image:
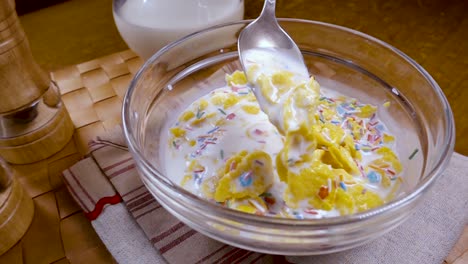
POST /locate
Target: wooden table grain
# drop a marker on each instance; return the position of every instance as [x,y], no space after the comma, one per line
[433,32]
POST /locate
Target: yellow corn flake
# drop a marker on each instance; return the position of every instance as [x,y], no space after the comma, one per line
[220,122]
[195,166]
[388,138]
[307,183]
[386,104]
[304,185]
[344,202]
[389,156]
[218,99]
[281,165]
[199,121]
[208,187]
[328,114]
[238,77]
[348,143]
[355,198]
[391,195]
[294,139]
[247,208]
[314,85]
[192,143]
[202,105]
[252,71]
[178,132]
[364,199]
[232,162]
[282,78]
[344,158]
[386,182]
[304,97]
[249,205]
[282,81]
[186,116]
[186,179]
[250,97]
[341,151]
[251,109]
[366,111]
[230,101]
[267,90]
[252,176]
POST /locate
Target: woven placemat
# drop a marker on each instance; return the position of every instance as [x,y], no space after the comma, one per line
[92,92]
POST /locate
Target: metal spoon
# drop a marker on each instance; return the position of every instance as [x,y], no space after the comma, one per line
[263,44]
[265,34]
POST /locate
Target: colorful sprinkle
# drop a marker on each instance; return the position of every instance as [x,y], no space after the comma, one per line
[374,177]
[199,114]
[413,154]
[258,132]
[323,192]
[269,200]
[259,162]
[213,130]
[230,116]
[310,211]
[343,186]
[298,215]
[222,111]
[221,153]
[246,179]
[232,166]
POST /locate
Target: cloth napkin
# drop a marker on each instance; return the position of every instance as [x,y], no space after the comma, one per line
[136,229]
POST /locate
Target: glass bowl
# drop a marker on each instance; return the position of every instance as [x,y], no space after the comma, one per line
[342,59]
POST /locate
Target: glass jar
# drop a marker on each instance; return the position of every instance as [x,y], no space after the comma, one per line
[148,25]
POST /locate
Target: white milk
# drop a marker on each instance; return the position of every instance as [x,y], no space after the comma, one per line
[147,26]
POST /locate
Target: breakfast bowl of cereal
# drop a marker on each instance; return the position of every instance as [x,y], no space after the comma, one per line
[375,131]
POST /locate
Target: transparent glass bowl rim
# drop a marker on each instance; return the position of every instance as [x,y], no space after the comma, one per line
[227,213]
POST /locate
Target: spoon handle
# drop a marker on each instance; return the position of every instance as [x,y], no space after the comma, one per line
[268,10]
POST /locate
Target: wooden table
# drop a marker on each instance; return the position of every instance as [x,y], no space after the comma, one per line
[434,33]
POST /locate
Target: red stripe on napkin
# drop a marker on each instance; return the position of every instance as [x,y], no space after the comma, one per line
[100,206]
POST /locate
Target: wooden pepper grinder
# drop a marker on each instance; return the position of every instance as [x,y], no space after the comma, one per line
[33,122]
[16,209]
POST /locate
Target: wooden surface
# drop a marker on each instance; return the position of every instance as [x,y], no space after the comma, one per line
[433,32]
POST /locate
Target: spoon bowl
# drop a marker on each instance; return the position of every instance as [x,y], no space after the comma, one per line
[264,35]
